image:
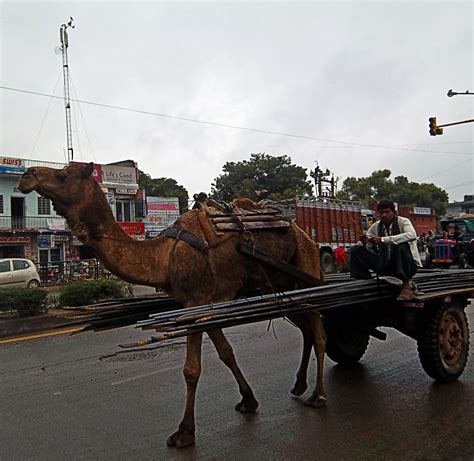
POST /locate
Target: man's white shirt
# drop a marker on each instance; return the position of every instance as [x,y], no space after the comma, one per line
[407,235]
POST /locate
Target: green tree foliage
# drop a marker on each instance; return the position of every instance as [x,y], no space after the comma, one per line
[164,187]
[379,186]
[262,172]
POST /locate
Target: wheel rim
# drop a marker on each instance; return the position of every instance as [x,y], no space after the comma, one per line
[451,339]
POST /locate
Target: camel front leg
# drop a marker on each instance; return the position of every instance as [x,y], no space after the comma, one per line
[248,404]
[318,398]
[185,435]
[301,383]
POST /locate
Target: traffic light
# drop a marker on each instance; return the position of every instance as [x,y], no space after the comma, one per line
[434,130]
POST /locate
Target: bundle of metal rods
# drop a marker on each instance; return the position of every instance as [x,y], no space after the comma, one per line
[117,313]
[338,293]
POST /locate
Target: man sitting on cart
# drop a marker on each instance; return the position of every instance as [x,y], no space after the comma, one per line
[389,248]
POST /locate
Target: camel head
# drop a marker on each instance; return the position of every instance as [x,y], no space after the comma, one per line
[64,188]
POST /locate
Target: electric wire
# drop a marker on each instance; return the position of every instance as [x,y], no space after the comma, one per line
[44,117]
[235,127]
[82,118]
[446,169]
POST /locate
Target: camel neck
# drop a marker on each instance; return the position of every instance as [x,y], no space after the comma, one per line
[94,224]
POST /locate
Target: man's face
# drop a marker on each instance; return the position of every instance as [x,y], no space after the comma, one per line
[386,215]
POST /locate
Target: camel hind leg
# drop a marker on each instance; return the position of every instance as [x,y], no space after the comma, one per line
[301,383]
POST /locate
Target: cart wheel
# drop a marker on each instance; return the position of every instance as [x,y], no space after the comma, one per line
[443,347]
[345,345]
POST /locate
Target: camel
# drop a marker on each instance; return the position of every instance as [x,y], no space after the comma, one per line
[193,277]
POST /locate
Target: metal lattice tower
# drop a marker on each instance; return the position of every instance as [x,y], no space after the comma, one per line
[67,102]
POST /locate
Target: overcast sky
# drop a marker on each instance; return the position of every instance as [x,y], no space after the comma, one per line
[366,73]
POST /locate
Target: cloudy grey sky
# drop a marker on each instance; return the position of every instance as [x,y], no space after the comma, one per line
[366,73]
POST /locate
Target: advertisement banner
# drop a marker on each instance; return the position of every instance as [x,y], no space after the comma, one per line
[162,212]
[12,165]
[135,230]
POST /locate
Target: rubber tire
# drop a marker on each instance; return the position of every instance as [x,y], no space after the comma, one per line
[33,284]
[429,350]
[327,262]
[345,345]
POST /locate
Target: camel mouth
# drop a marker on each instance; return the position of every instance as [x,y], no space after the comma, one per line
[26,186]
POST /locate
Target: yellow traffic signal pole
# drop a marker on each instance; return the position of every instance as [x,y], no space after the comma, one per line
[438,129]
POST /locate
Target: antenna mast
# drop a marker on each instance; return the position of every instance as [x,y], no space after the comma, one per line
[67,102]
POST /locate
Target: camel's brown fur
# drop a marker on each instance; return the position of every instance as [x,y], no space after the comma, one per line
[191,276]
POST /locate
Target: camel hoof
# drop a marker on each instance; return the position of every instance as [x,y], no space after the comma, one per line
[299,388]
[316,402]
[181,438]
[247,405]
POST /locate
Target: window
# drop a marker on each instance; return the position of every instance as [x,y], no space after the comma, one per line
[1,204]
[19,265]
[123,209]
[4,266]
[44,206]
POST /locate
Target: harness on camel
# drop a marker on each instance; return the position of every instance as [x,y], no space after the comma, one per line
[231,217]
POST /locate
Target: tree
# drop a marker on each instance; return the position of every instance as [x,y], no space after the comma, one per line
[379,186]
[164,187]
[262,172]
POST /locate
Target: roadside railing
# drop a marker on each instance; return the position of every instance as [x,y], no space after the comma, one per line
[62,272]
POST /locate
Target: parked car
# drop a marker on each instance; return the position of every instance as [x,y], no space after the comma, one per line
[18,272]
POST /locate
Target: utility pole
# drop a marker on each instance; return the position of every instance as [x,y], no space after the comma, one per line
[67,101]
[320,177]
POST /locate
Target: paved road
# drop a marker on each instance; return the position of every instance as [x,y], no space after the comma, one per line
[60,398]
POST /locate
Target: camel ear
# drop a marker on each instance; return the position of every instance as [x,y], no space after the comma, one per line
[87,171]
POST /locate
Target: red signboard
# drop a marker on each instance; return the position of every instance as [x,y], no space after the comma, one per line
[135,230]
[14,239]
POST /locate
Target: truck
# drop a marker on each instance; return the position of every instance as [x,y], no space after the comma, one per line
[332,223]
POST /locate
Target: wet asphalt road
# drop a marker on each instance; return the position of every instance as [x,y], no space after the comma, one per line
[60,398]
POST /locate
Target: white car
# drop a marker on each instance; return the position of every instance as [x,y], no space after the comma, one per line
[18,272]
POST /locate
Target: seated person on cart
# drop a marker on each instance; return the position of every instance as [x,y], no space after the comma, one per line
[391,250]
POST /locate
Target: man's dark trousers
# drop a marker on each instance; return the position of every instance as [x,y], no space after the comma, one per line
[401,263]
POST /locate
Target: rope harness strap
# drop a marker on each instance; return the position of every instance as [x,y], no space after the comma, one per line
[186,236]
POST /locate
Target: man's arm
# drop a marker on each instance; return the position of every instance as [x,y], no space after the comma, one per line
[408,233]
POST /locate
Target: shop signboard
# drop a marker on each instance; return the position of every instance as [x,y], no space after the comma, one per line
[113,174]
[14,239]
[12,165]
[162,212]
[126,190]
[421,210]
[56,224]
[75,241]
[135,230]
[46,241]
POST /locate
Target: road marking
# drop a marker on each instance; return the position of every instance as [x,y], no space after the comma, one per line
[146,375]
[40,335]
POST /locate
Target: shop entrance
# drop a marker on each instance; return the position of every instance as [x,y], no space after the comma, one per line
[52,255]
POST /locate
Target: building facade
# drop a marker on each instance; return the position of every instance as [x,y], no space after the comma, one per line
[460,209]
[30,228]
